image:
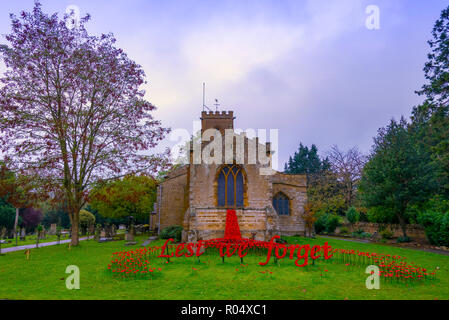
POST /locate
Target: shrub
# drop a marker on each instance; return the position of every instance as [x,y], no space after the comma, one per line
[361,234]
[386,234]
[327,223]
[352,215]
[344,230]
[320,224]
[174,232]
[403,239]
[436,225]
[87,219]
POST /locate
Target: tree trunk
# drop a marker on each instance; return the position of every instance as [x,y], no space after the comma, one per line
[75,228]
[16,222]
[403,225]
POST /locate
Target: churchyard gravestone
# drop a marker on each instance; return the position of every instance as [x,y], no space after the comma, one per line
[109,231]
[97,233]
[129,237]
[105,234]
[22,234]
[91,229]
[53,227]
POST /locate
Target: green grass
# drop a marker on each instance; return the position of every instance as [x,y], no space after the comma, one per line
[31,240]
[43,276]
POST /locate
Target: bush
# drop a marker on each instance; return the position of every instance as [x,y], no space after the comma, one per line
[352,215]
[320,225]
[327,223]
[344,230]
[360,234]
[386,234]
[174,232]
[403,239]
[7,215]
[86,218]
[436,225]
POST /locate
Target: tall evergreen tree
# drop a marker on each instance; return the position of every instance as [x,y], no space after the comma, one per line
[433,115]
[306,161]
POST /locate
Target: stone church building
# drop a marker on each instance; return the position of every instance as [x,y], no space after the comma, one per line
[197,195]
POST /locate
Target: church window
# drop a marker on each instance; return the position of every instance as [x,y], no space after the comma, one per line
[230,186]
[281,204]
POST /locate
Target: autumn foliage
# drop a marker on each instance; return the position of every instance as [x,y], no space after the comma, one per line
[73,111]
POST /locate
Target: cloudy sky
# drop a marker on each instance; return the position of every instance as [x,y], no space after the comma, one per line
[311,68]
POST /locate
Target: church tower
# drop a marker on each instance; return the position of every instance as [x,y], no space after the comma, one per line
[217,120]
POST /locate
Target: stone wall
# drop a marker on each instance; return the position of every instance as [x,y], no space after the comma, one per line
[413,230]
[294,187]
[174,198]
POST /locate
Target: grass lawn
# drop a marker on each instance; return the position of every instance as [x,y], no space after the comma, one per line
[43,276]
[31,240]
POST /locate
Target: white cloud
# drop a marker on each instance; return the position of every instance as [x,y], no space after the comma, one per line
[223,50]
[227,54]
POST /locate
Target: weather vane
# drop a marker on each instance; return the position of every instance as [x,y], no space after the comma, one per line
[216,104]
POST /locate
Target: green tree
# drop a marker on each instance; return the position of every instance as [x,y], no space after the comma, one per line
[7,214]
[129,196]
[325,193]
[87,220]
[396,175]
[18,190]
[102,220]
[352,215]
[436,68]
[56,215]
[306,161]
[433,115]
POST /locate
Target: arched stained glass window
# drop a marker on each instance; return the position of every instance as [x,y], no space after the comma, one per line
[281,204]
[230,186]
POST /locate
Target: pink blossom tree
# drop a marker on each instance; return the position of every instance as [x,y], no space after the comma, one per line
[72,109]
